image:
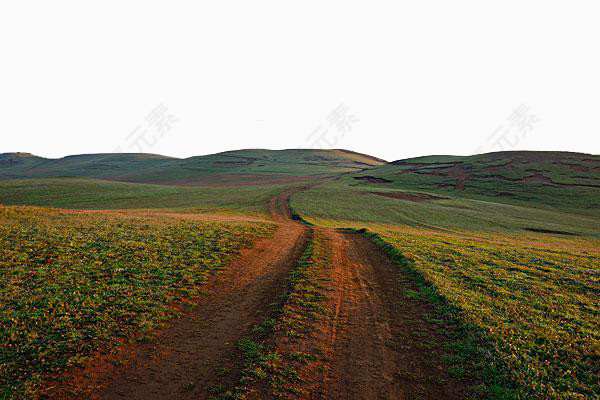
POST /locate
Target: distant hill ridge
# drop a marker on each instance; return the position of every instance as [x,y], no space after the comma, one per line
[153,168]
[549,178]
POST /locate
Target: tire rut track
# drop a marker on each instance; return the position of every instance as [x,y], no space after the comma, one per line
[378,351]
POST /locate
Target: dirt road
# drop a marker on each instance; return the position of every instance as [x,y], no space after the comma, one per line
[378,335]
[376,342]
[182,362]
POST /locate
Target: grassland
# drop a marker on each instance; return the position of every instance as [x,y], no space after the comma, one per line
[507,244]
[336,200]
[71,284]
[529,301]
[80,193]
[536,298]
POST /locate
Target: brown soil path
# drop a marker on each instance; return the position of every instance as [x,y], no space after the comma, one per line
[376,342]
[182,362]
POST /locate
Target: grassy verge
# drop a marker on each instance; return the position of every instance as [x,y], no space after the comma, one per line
[73,284]
[526,312]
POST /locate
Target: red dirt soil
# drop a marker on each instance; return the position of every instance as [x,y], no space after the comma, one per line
[181,362]
[375,348]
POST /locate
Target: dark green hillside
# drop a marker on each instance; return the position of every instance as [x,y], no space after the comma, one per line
[558,179]
[16,164]
[105,166]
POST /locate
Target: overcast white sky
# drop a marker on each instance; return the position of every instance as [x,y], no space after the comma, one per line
[415,78]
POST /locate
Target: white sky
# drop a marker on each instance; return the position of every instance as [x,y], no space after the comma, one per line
[422,77]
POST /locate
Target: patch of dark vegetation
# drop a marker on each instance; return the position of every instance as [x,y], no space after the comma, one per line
[505,194]
[415,197]
[372,179]
[297,217]
[550,231]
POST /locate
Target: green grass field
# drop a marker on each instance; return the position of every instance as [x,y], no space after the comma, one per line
[357,204]
[73,284]
[80,193]
[522,269]
[540,179]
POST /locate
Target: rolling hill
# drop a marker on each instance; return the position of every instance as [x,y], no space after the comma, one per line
[558,179]
[241,166]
